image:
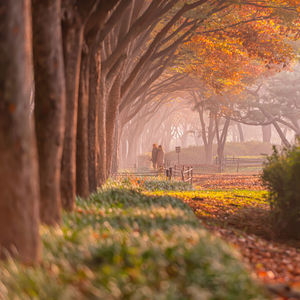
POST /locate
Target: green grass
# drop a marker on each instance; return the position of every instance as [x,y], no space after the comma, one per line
[122,244]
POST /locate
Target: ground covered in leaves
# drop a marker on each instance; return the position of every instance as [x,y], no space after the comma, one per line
[123,244]
[235,207]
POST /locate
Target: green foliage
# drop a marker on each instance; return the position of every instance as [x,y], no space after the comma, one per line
[121,244]
[166,185]
[281,175]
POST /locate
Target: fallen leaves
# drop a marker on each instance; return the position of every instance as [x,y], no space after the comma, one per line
[242,220]
[228,181]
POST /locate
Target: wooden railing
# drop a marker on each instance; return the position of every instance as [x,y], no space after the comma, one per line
[184,173]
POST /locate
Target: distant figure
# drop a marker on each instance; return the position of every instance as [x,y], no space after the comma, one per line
[160,157]
[154,156]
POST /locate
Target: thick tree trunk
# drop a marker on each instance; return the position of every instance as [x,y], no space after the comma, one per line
[72,42]
[112,108]
[267,133]
[93,110]
[49,104]
[82,181]
[19,195]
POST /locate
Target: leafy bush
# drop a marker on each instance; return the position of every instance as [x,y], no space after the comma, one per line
[121,244]
[281,175]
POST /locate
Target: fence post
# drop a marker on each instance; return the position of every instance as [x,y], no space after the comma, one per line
[182,173]
[170,173]
[192,176]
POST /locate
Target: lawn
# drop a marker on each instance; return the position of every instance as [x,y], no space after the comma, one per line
[125,243]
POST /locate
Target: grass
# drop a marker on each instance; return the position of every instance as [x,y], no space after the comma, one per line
[234,196]
[124,244]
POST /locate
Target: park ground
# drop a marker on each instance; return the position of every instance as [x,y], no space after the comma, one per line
[235,207]
[139,239]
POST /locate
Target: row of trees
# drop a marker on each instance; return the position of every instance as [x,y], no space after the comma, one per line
[92,64]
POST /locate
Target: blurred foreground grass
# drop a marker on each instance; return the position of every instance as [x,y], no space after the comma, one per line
[123,244]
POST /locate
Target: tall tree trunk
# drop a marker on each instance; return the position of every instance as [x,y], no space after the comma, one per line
[241,132]
[19,195]
[221,139]
[209,144]
[82,181]
[208,148]
[49,104]
[93,111]
[207,137]
[116,151]
[112,108]
[72,45]
[102,135]
[267,133]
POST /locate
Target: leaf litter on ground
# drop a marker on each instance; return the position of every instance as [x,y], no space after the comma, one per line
[235,208]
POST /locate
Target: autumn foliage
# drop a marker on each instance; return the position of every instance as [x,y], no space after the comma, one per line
[239,44]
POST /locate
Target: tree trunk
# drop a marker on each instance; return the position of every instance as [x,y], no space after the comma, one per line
[284,140]
[241,132]
[112,108]
[49,104]
[208,153]
[82,182]
[221,141]
[116,151]
[267,133]
[102,136]
[72,42]
[94,97]
[19,195]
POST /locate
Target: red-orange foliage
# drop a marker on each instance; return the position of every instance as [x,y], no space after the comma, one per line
[235,46]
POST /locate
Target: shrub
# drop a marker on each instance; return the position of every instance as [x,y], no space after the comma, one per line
[281,175]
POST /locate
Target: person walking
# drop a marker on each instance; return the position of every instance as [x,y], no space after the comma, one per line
[160,157]
[154,156]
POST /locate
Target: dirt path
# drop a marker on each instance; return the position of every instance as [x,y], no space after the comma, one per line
[246,226]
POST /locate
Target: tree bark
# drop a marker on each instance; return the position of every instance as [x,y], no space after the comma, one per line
[267,133]
[241,132]
[284,140]
[112,108]
[82,182]
[221,139]
[49,104]
[102,137]
[19,195]
[93,111]
[72,29]
[116,151]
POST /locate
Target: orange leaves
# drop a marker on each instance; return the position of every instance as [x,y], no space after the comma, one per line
[233,48]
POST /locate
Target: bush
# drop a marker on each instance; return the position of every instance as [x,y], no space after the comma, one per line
[121,244]
[281,175]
